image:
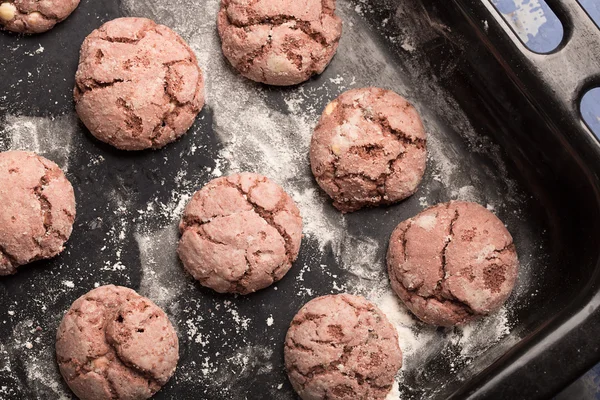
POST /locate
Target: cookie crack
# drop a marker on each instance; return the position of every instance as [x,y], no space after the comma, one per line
[190,221]
[315,35]
[335,165]
[132,367]
[358,175]
[206,236]
[132,121]
[438,291]
[111,39]
[248,59]
[299,346]
[331,367]
[173,98]
[174,106]
[85,368]
[326,9]
[46,207]
[281,19]
[401,136]
[89,84]
[444,250]
[355,307]
[191,59]
[459,304]
[268,216]
[404,240]
[499,252]
[334,366]
[384,123]
[143,373]
[236,285]
[340,198]
[274,274]
[111,353]
[117,39]
[111,386]
[390,171]
[312,71]
[382,179]
[307,317]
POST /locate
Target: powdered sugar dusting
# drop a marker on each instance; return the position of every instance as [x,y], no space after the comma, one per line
[274,141]
[158,255]
[48,136]
[268,130]
[39,361]
[394,394]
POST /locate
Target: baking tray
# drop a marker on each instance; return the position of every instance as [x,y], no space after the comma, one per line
[504,129]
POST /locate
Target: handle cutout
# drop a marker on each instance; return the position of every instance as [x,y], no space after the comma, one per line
[534,22]
[590,110]
[592,8]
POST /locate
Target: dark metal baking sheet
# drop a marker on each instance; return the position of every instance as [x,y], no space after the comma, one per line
[486,145]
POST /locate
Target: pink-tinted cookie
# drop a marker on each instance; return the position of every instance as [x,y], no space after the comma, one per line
[34,16]
[342,347]
[37,209]
[368,149]
[279,42]
[452,263]
[240,234]
[114,344]
[138,85]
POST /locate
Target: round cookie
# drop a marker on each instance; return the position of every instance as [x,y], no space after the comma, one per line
[34,16]
[452,263]
[240,234]
[37,212]
[279,42]
[138,85]
[342,347]
[115,344]
[368,149]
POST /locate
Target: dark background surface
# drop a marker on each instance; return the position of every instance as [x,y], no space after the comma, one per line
[553,219]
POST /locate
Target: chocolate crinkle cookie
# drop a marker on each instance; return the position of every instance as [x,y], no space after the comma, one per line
[240,234]
[34,16]
[114,344]
[342,347]
[138,85]
[279,42]
[368,149]
[452,263]
[37,209]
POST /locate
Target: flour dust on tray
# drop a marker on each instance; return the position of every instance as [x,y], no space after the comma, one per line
[27,345]
[50,137]
[268,131]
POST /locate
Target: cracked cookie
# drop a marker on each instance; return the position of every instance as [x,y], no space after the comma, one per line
[115,344]
[342,347]
[452,263]
[38,209]
[368,149]
[240,234]
[138,85]
[279,42]
[34,16]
